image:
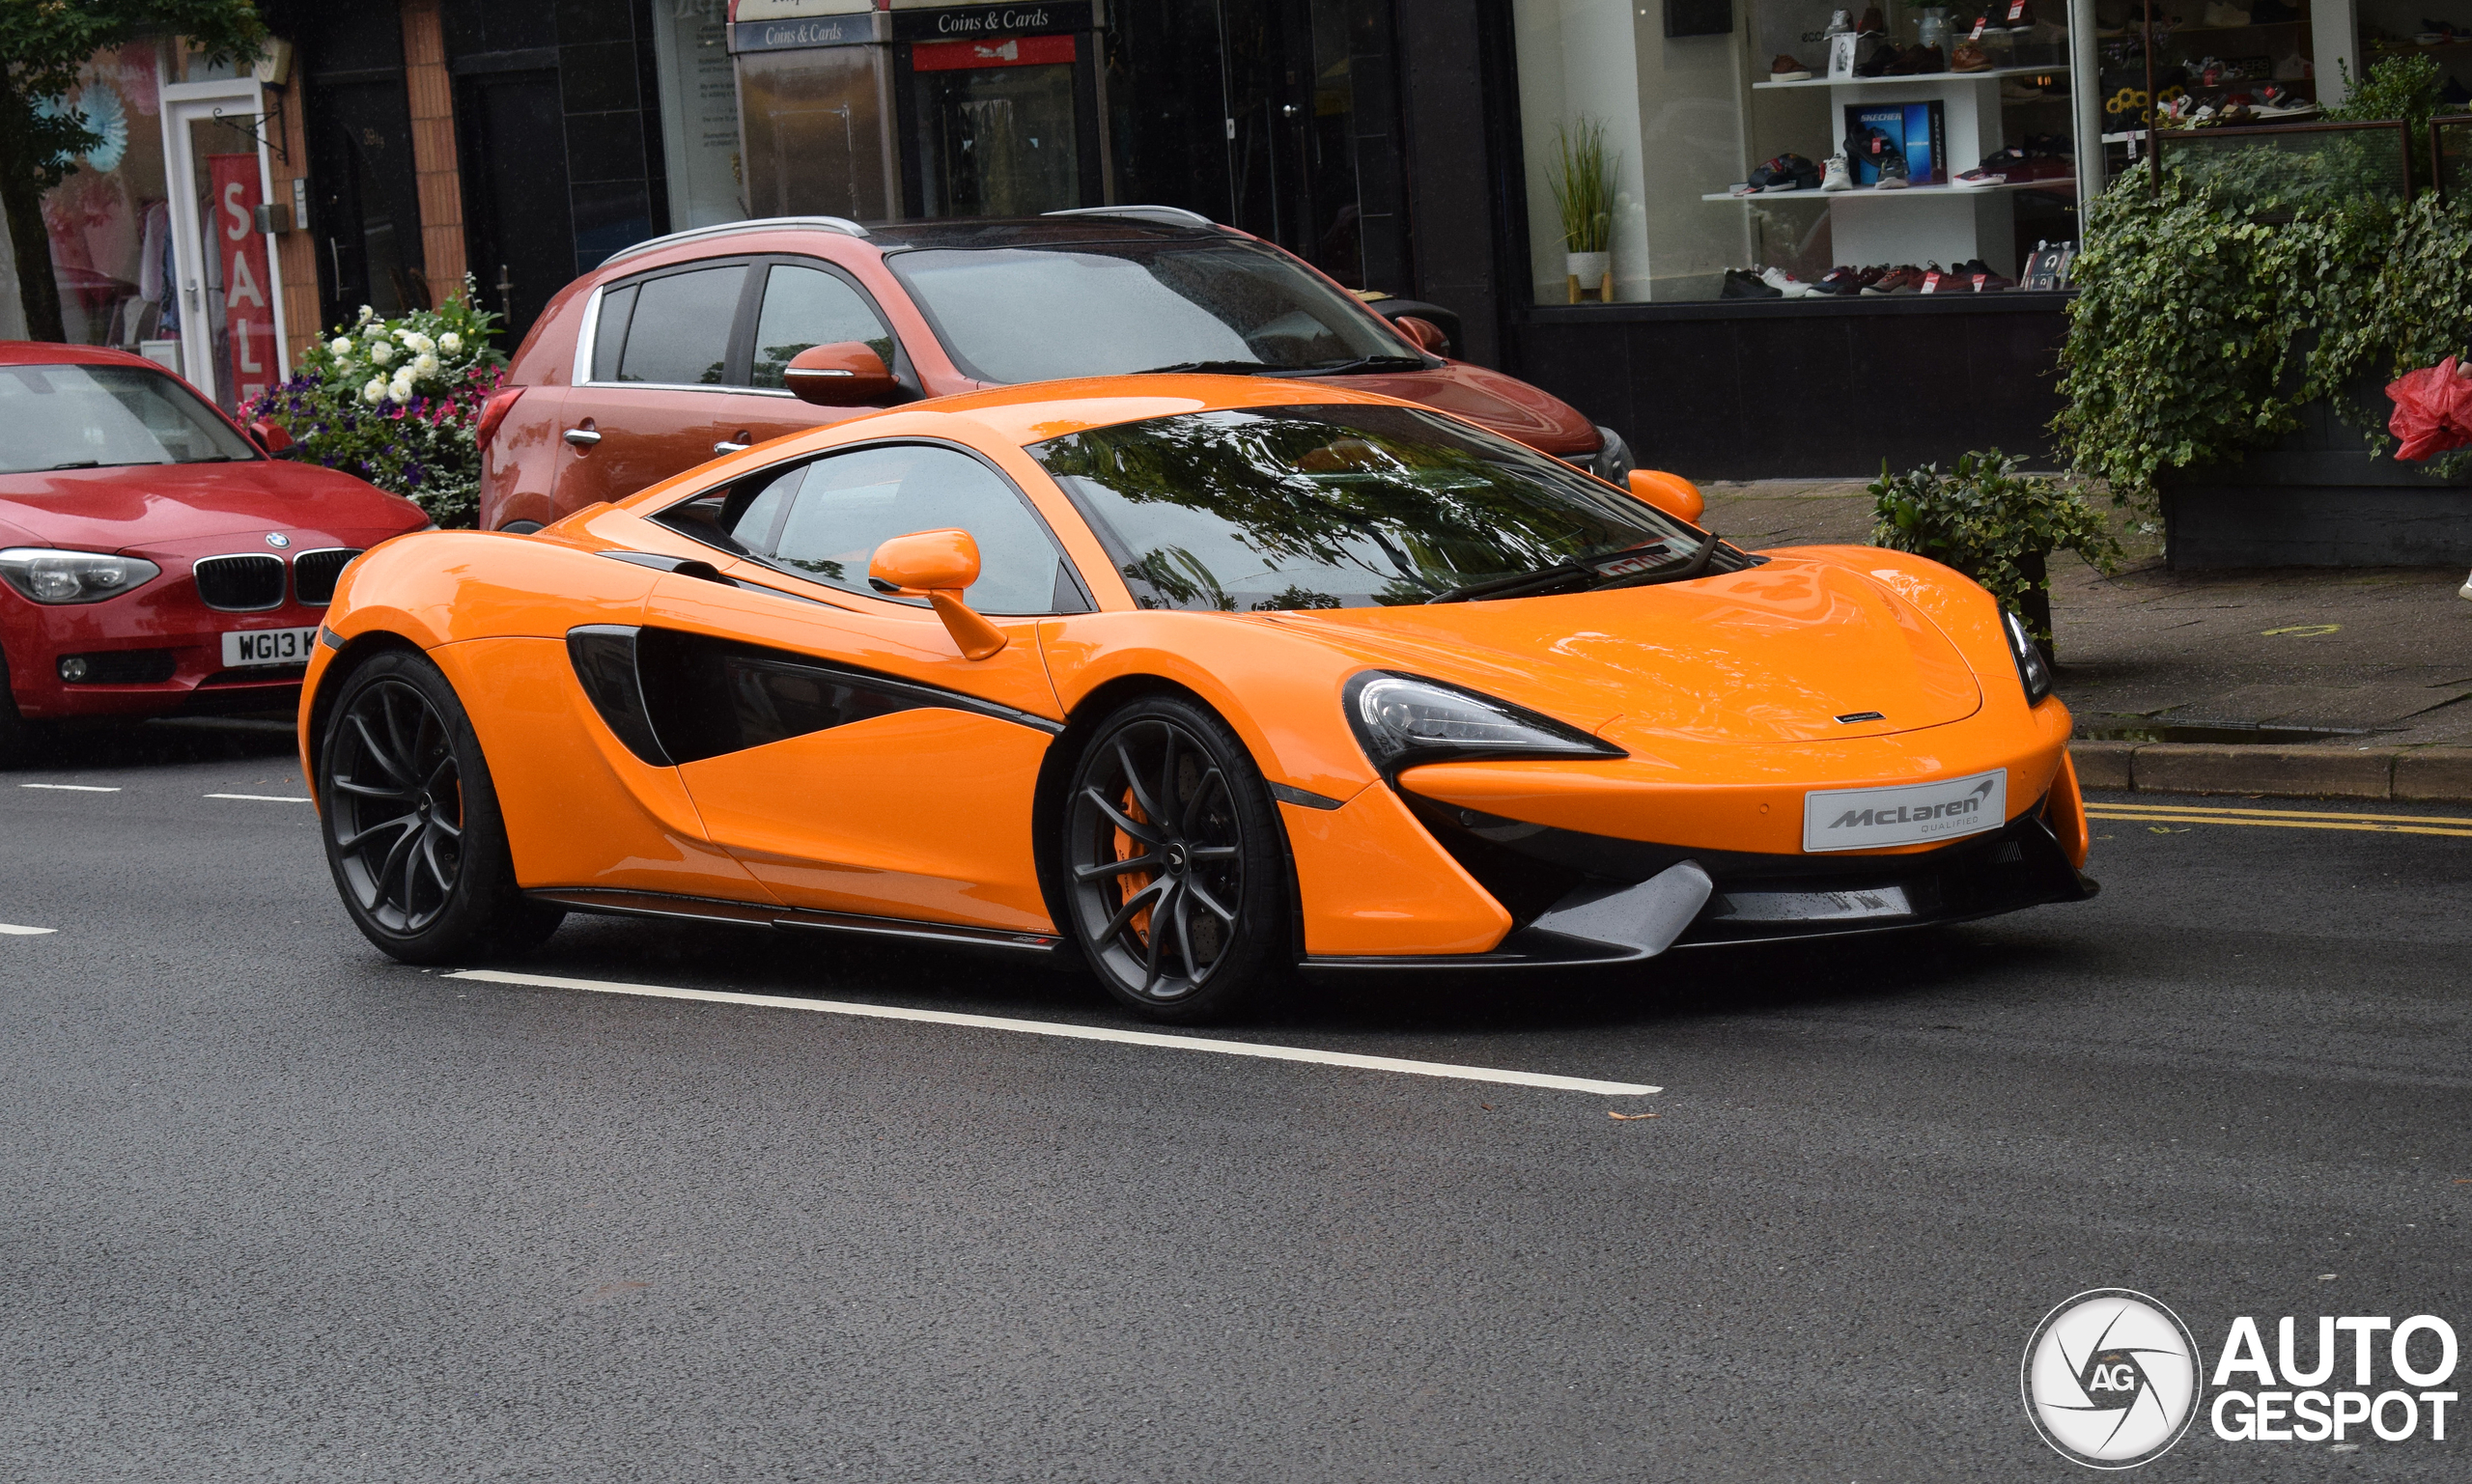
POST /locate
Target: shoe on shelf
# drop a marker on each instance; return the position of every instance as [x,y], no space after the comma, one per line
[1744,284]
[1919,59]
[1898,280]
[1970,57]
[1786,171]
[1786,283]
[1893,174]
[1936,280]
[1882,61]
[1978,176]
[1845,283]
[2295,68]
[1840,23]
[1872,22]
[2224,16]
[1786,69]
[1838,177]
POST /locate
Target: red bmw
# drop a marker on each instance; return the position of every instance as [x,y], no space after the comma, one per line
[153,559]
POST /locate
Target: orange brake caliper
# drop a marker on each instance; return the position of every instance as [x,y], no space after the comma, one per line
[1131,882]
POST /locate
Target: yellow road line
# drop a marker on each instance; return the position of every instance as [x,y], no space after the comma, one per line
[2282,824]
[2118,805]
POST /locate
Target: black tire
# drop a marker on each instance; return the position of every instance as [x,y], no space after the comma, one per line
[1173,865]
[414,835]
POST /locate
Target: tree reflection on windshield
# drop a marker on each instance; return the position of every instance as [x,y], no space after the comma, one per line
[1331,506]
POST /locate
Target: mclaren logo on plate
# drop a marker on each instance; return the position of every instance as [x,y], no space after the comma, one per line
[1866,819]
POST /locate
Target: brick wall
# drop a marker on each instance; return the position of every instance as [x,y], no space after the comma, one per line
[431,96]
[295,251]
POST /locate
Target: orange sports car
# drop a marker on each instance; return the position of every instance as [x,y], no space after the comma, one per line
[1201,679]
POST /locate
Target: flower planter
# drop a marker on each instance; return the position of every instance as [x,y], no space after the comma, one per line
[2315,499]
[1591,272]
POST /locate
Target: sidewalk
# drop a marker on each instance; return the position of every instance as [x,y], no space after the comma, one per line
[2296,682]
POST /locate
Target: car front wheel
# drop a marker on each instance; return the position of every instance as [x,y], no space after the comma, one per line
[1173,864]
[414,835]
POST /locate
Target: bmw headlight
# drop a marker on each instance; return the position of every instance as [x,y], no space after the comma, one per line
[1403,720]
[1613,463]
[2033,670]
[73,577]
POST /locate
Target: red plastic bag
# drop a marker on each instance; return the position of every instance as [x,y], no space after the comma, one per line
[2432,410]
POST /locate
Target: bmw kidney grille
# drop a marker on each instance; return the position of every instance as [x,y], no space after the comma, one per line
[314,574]
[241,584]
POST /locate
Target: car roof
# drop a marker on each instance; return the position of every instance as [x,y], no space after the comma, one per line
[50,353]
[1035,411]
[1141,224]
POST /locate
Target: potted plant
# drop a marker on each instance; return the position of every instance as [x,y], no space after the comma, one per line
[1582,178]
[1997,525]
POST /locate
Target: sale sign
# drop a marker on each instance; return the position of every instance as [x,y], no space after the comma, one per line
[248,308]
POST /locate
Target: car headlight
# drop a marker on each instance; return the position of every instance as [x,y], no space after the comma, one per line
[1613,463]
[73,577]
[1400,720]
[2033,670]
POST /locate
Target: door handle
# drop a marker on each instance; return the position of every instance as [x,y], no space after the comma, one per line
[582,438]
[730,448]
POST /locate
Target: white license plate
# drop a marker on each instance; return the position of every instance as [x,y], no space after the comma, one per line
[1910,814]
[243,647]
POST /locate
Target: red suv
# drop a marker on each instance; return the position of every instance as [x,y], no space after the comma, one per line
[698,344]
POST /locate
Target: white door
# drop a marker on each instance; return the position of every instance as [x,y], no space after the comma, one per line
[229,295]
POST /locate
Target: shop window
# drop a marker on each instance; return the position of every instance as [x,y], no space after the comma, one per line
[109,220]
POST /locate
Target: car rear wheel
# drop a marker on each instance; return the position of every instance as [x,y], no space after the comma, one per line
[414,835]
[1173,864]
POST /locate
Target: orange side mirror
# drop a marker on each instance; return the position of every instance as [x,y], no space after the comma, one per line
[847,374]
[1428,335]
[1671,494]
[939,566]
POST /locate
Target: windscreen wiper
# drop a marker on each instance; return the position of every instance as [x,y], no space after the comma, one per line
[1518,584]
[1697,564]
[1360,365]
[79,463]
[1205,368]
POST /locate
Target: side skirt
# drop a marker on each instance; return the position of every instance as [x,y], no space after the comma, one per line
[752,915]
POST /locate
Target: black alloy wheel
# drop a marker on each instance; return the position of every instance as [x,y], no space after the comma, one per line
[413,834]
[1174,863]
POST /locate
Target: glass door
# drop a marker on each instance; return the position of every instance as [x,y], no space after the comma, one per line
[999,128]
[229,300]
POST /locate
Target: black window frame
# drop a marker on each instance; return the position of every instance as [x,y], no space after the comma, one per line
[737,359]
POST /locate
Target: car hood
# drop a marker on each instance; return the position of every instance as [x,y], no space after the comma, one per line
[164,504]
[1774,653]
[1489,399]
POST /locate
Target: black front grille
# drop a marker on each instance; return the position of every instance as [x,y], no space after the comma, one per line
[118,667]
[314,574]
[241,584]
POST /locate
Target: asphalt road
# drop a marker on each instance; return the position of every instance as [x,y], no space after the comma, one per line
[274,1208]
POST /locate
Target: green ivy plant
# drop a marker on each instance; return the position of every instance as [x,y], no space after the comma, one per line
[2210,312]
[1995,524]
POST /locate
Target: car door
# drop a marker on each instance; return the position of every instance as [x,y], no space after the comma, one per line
[800,302]
[850,758]
[646,401]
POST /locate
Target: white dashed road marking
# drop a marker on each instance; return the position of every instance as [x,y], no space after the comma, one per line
[263,798]
[1150,1038]
[70,788]
[12,930]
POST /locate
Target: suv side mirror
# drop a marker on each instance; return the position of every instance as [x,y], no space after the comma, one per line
[1671,494]
[271,437]
[939,566]
[1425,333]
[848,373]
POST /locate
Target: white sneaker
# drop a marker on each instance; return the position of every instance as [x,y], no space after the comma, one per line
[2466,591]
[1837,177]
[1840,24]
[1786,283]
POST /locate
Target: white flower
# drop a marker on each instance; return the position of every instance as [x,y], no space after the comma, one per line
[450,342]
[375,390]
[342,346]
[417,342]
[401,389]
[380,352]
[423,367]
[365,313]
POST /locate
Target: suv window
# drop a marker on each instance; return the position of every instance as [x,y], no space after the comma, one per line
[804,307]
[824,519]
[678,332]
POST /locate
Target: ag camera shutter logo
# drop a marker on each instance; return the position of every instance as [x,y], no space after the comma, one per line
[2111,1378]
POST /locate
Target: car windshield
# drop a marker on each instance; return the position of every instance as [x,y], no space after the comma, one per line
[1098,309]
[1355,506]
[85,417]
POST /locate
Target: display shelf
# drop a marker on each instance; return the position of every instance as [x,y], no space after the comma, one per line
[1925,193]
[1908,79]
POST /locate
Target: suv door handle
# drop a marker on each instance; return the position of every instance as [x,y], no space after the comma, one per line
[731,448]
[582,438]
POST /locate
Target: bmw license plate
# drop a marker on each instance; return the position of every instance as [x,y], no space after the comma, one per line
[243,647]
[1910,814]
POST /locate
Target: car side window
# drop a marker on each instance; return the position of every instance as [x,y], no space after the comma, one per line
[677,333]
[804,307]
[846,505]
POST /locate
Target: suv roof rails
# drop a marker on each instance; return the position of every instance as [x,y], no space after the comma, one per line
[841,224]
[1171,215]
